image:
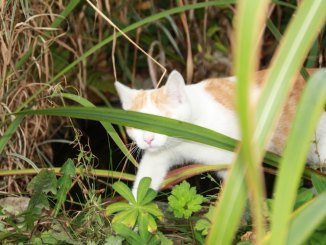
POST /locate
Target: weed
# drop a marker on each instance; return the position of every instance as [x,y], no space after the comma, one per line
[128,213]
[184,200]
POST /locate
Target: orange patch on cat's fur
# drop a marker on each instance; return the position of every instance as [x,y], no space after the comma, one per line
[158,97]
[283,127]
[139,101]
[222,90]
[162,101]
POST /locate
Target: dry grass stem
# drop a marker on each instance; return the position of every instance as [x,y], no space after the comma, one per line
[128,38]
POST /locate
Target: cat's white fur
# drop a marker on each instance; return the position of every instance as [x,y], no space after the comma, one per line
[199,104]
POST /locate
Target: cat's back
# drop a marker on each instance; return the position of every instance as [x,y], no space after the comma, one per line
[213,105]
[215,98]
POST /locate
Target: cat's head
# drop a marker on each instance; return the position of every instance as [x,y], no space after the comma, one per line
[168,101]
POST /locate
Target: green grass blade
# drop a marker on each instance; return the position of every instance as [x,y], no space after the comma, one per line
[277,34]
[10,131]
[250,17]
[306,219]
[23,59]
[294,47]
[68,9]
[144,121]
[308,114]
[230,209]
[108,126]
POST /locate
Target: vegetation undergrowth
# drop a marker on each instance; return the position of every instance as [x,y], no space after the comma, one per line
[61,182]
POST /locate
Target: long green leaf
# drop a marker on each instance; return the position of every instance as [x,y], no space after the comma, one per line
[108,126]
[250,17]
[277,34]
[294,47]
[143,121]
[293,161]
[230,208]
[67,10]
[306,219]
[283,70]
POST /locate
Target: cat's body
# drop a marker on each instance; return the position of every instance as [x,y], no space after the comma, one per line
[210,104]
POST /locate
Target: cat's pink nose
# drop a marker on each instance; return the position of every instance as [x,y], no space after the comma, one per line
[149,139]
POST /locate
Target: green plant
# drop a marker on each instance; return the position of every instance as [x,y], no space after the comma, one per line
[305,196]
[203,224]
[257,126]
[184,200]
[128,213]
[44,189]
[46,182]
[257,121]
[143,236]
[42,184]
[64,184]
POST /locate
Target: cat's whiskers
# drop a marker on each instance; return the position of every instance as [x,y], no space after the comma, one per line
[132,148]
[138,152]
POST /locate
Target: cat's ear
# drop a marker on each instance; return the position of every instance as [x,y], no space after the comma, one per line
[175,86]
[126,94]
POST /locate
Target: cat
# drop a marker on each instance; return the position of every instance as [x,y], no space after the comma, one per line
[210,104]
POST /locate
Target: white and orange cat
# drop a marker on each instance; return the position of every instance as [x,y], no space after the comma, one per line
[209,104]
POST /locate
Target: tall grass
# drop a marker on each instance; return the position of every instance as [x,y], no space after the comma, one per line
[257,121]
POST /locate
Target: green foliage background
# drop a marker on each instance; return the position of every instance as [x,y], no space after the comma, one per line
[84,67]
